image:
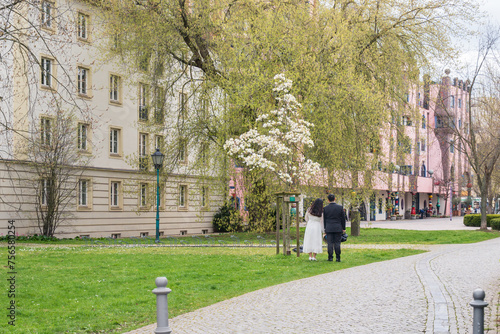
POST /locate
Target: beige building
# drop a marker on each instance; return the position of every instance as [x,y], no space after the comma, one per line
[95,119]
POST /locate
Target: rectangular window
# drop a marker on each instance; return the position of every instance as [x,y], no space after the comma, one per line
[159,103]
[143,151]
[159,142]
[47,8]
[423,122]
[82,136]
[183,104]
[82,25]
[45,131]
[460,103]
[114,88]
[204,197]
[182,196]
[452,147]
[83,75]
[422,145]
[380,201]
[452,101]
[144,194]
[83,187]
[182,150]
[114,141]
[115,194]
[46,78]
[143,102]
[44,191]
[460,123]
[406,120]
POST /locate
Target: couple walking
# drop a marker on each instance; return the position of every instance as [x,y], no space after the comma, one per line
[329,221]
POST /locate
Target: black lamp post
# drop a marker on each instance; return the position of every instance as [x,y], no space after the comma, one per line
[157,158]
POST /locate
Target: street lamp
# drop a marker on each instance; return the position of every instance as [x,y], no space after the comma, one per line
[157,158]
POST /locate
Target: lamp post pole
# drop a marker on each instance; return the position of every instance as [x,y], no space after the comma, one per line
[157,158]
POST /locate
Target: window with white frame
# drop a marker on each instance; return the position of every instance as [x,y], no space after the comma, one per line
[143,151]
[422,145]
[46,13]
[45,131]
[183,196]
[204,196]
[114,141]
[144,195]
[159,102]
[83,192]
[182,150]
[114,88]
[46,72]
[183,98]
[82,136]
[452,101]
[452,147]
[82,28]
[159,140]
[44,191]
[424,122]
[143,102]
[114,194]
[460,103]
[82,82]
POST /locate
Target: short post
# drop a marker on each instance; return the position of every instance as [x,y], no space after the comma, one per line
[478,304]
[161,293]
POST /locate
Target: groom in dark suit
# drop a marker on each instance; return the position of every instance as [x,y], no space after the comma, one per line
[334,220]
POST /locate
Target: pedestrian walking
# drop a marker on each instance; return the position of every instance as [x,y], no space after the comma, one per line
[313,243]
[334,226]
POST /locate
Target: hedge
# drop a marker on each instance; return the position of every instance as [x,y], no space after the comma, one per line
[475,219]
[495,224]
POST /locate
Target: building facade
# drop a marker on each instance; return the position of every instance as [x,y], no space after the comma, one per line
[73,108]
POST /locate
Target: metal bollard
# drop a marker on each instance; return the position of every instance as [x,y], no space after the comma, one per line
[161,293]
[478,304]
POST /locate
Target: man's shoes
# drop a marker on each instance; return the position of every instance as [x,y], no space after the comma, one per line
[338,260]
[330,259]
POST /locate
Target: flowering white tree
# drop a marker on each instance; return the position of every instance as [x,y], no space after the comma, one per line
[277,142]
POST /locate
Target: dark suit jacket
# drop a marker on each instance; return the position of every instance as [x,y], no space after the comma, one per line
[334,218]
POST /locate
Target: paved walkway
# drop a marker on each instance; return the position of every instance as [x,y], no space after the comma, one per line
[425,293]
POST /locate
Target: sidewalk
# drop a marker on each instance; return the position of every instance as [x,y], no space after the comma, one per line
[425,293]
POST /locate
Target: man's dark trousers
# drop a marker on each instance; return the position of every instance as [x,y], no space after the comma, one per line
[333,240]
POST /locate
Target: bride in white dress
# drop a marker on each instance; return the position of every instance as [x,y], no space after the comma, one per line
[313,240]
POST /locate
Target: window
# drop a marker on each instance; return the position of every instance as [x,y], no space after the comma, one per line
[182,151]
[204,197]
[406,170]
[114,141]
[114,88]
[47,8]
[406,121]
[204,154]
[407,97]
[83,190]
[114,194]
[380,205]
[159,140]
[183,196]
[460,123]
[460,103]
[143,151]
[452,101]
[144,195]
[82,136]
[422,145]
[452,147]
[46,77]
[143,102]
[83,76]
[424,121]
[45,131]
[44,191]
[183,104]
[439,122]
[82,26]
[423,170]
[159,102]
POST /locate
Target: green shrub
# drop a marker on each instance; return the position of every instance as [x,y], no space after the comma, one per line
[34,237]
[475,219]
[495,223]
[227,219]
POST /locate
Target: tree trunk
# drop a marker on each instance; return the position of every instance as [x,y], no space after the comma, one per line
[355,223]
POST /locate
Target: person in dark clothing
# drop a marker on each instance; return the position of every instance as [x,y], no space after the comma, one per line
[334,222]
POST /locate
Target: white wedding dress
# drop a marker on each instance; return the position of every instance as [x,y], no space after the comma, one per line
[313,237]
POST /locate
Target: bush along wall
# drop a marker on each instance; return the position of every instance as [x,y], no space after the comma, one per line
[475,219]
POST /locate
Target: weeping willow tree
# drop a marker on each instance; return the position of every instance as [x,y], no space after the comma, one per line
[351,64]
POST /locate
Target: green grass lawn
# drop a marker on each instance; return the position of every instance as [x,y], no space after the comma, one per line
[108,290]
